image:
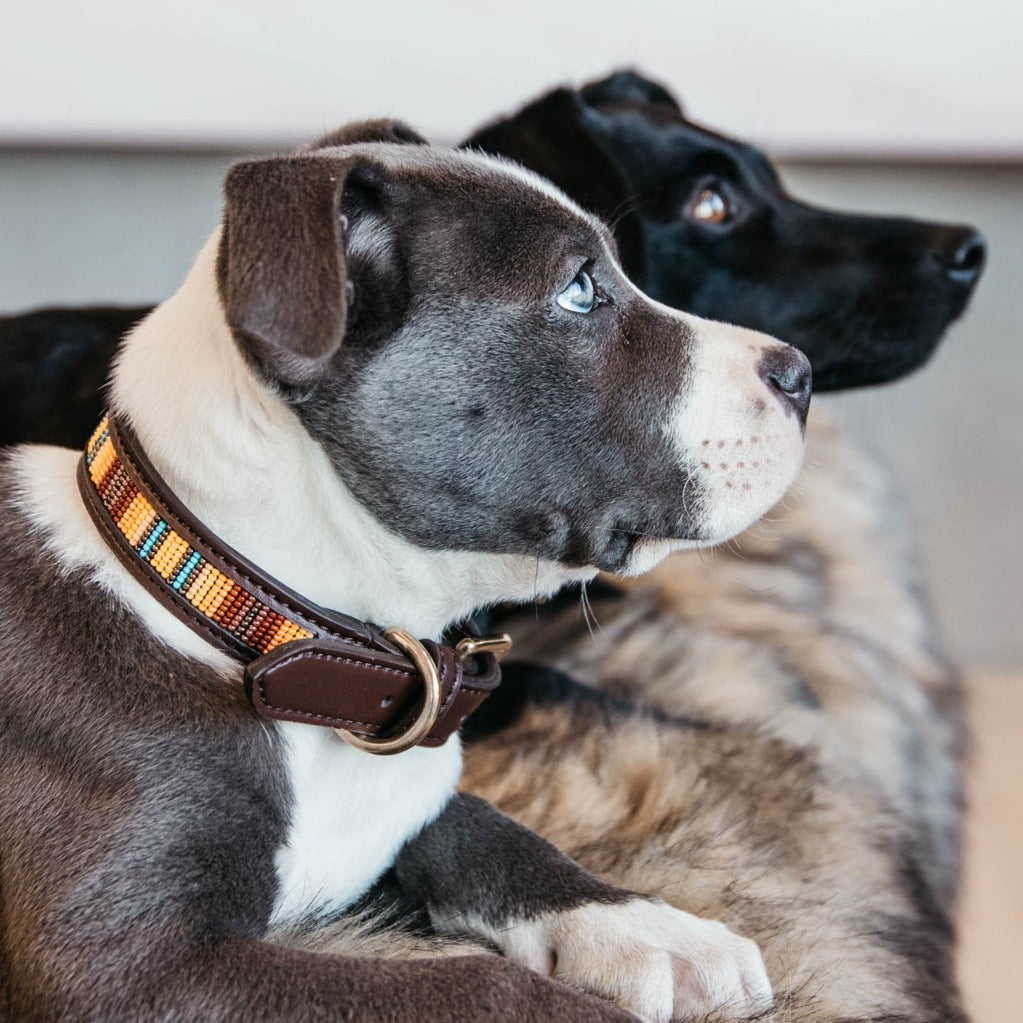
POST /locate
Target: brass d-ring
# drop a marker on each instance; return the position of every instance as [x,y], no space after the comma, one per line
[419,728]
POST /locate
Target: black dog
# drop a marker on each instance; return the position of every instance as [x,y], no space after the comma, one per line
[701,222]
[704,225]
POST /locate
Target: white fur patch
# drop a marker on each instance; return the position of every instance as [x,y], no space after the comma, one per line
[745,447]
[650,958]
[352,813]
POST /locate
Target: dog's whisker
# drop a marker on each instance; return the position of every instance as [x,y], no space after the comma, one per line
[632,204]
[589,615]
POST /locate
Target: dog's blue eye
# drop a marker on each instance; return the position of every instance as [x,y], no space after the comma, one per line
[579,296]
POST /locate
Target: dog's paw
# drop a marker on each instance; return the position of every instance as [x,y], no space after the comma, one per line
[656,961]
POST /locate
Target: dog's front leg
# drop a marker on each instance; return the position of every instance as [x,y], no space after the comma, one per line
[479,872]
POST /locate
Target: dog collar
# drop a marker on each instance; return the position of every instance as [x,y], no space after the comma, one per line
[383,691]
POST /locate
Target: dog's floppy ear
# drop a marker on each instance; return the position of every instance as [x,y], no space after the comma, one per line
[630,87]
[380,130]
[552,137]
[281,268]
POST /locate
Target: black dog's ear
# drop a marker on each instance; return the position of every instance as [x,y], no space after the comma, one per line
[380,130]
[552,137]
[281,267]
[630,87]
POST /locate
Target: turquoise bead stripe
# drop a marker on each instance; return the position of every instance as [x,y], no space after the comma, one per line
[90,456]
[179,579]
[158,530]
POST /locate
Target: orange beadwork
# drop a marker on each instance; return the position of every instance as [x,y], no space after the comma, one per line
[179,565]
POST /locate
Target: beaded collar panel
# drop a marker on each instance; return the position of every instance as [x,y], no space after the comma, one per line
[255,626]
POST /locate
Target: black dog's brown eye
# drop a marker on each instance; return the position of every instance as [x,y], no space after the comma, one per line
[709,206]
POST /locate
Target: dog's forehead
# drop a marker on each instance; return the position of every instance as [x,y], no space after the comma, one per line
[467,174]
[670,141]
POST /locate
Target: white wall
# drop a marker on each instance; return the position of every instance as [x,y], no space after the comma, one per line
[803,76]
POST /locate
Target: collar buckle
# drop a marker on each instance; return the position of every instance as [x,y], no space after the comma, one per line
[472,645]
[427,717]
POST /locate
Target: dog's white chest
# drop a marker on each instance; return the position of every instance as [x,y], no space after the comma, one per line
[352,812]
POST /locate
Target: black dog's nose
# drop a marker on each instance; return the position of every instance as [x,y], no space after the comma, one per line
[961,255]
[786,371]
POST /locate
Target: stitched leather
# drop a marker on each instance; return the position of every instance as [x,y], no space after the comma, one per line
[348,675]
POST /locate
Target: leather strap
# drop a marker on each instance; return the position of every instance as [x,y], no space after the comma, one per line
[302,662]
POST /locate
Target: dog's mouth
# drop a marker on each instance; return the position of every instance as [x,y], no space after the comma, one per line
[609,540]
[854,347]
[698,516]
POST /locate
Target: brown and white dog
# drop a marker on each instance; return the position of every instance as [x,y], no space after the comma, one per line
[406,382]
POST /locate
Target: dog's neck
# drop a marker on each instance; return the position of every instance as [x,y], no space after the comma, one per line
[238,458]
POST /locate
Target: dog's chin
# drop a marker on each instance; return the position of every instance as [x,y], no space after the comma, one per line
[880,361]
[732,503]
[648,554]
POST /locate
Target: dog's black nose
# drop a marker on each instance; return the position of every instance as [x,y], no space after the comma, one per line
[961,255]
[786,371]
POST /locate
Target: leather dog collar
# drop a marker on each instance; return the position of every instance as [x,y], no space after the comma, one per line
[381,690]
